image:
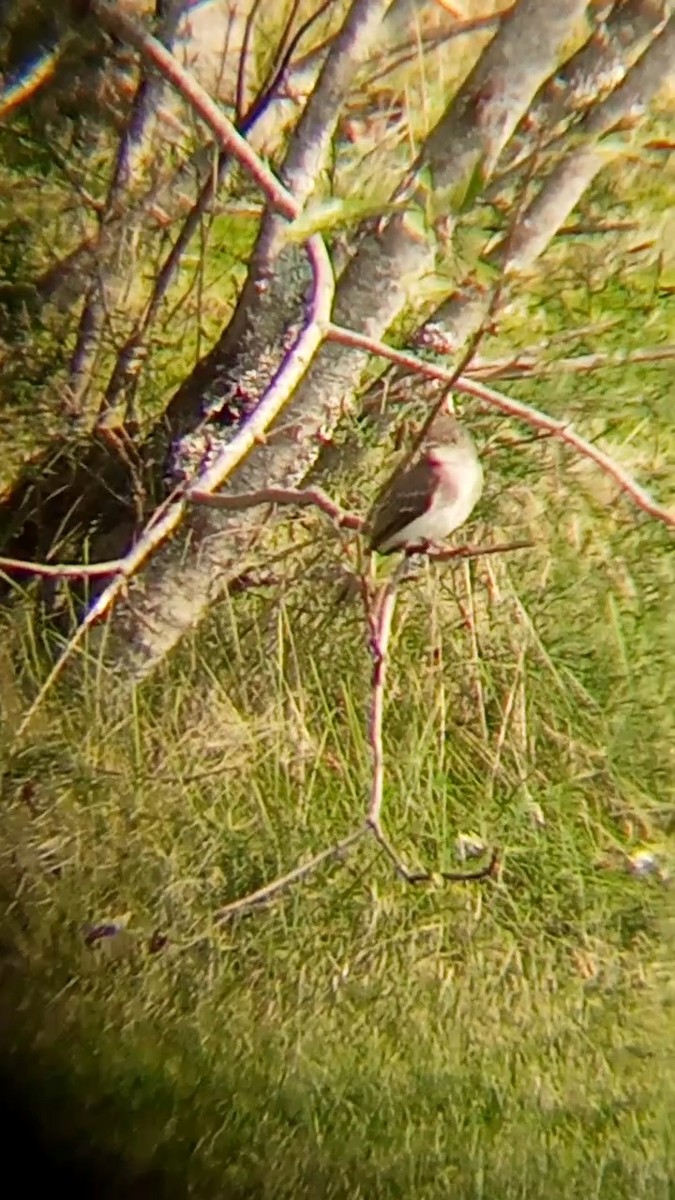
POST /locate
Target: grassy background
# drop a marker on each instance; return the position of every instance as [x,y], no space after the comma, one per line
[360,1038]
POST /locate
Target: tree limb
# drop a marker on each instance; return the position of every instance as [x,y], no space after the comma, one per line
[302,497]
[524,365]
[513,408]
[589,75]
[574,174]
[100,295]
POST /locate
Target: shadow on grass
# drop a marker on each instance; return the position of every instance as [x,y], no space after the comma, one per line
[46,1161]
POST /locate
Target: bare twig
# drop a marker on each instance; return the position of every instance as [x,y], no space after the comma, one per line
[529,365]
[472,633]
[507,710]
[400,55]
[491,870]
[281,50]
[302,497]
[71,174]
[63,570]
[477,551]
[240,92]
[513,408]
[380,621]
[269,891]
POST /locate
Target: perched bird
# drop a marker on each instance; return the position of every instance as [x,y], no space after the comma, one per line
[424,502]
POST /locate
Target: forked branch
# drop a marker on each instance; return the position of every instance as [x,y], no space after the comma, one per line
[513,408]
[301,497]
[167,519]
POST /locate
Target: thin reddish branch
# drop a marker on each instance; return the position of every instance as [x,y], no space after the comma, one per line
[463,552]
[122,26]
[303,498]
[512,408]
[316,498]
[380,624]
[63,570]
[529,365]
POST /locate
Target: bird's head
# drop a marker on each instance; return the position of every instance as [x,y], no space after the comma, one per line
[447,443]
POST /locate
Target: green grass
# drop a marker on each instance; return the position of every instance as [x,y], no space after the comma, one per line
[359,1037]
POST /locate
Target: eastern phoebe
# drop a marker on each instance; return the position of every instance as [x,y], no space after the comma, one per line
[425,502]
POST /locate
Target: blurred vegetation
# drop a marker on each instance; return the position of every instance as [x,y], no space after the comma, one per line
[359,1037]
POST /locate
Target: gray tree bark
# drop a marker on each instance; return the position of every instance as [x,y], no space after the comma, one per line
[461,315]
[190,571]
[115,236]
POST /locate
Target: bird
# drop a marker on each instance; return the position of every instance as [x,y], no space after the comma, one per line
[425,502]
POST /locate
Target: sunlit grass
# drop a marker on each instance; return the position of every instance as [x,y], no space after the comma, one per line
[360,1037]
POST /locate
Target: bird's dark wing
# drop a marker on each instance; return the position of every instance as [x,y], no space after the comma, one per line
[409,496]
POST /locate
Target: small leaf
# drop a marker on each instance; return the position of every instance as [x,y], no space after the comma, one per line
[486,272]
[475,185]
[612,145]
[334,213]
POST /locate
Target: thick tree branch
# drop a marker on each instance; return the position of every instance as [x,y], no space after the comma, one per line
[457,318]
[351,48]
[168,519]
[307,152]
[104,287]
[586,78]
[125,371]
[481,119]
[573,175]
[177,590]
[381,277]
